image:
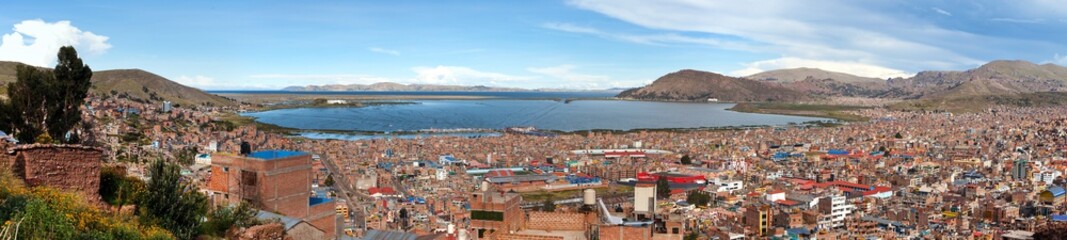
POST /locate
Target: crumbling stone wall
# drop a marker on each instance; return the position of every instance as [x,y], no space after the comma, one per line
[66,167]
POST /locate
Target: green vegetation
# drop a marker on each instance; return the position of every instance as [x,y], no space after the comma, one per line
[686,160]
[487,215]
[230,121]
[170,203]
[549,205]
[698,198]
[838,112]
[329,182]
[46,213]
[117,189]
[224,218]
[42,102]
[663,188]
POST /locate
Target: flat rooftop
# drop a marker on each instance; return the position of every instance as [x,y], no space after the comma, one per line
[275,154]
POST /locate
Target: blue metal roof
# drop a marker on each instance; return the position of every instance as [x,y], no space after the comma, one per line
[1057,191]
[275,154]
[1059,218]
[318,200]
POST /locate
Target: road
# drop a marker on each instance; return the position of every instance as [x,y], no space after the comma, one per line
[359,214]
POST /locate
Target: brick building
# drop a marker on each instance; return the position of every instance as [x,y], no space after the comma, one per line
[275,181]
[496,212]
[67,167]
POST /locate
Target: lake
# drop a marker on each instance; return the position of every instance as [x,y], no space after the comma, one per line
[501,113]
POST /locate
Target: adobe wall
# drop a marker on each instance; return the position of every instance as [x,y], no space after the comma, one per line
[552,221]
[66,167]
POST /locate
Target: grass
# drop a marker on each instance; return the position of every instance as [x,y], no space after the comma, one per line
[236,120]
[838,112]
[559,195]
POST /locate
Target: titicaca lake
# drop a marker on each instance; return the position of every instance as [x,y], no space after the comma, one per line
[505,111]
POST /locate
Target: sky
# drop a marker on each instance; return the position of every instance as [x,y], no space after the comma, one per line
[573,44]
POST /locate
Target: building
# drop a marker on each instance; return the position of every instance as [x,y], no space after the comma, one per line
[759,220]
[496,212]
[644,200]
[275,181]
[167,107]
[834,210]
[1020,170]
[67,167]
[1053,196]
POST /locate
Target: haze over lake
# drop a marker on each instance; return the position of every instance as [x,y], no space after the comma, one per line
[502,113]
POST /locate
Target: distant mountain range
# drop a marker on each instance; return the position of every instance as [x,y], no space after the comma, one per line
[134,84]
[399,87]
[805,84]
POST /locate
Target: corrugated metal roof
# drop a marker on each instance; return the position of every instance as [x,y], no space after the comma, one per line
[1057,191]
[388,235]
[287,221]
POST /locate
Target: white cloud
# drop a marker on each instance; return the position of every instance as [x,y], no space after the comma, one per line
[653,39]
[858,31]
[854,68]
[197,81]
[319,79]
[456,75]
[942,11]
[1017,20]
[1059,60]
[566,73]
[385,51]
[36,42]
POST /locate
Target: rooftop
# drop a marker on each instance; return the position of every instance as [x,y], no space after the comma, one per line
[318,200]
[275,154]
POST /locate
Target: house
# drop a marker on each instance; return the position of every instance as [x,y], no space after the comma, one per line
[295,228]
[382,192]
[1053,195]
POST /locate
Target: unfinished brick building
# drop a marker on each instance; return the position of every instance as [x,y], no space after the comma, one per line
[275,181]
[68,167]
[493,212]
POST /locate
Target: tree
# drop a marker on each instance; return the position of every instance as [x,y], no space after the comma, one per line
[691,236]
[686,160]
[898,136]
[663,188]
[329,180]
[223,218]
[698,198]
[41,102]
[72,82]
[549,205]
[170,203]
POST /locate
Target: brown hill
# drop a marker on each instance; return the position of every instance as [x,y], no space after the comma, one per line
[143,85]
[801,74]
[994,78]
[693,85]
[135,83]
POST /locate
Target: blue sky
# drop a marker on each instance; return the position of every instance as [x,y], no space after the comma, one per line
[581,44]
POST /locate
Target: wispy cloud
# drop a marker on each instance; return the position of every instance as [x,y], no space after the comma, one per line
[197,81]
[854,68]
[458,75]
[651,39]
[942,11]
[1017,20]
[36,42]
[385,51]
[1058,60]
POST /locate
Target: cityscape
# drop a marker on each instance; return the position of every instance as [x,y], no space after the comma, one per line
[548,120]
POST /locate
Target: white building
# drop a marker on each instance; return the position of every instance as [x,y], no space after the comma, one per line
[1045,176]
[336,101]
[203,158]
[727,186]
[835,209]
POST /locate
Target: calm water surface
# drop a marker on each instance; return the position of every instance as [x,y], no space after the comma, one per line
[502,113]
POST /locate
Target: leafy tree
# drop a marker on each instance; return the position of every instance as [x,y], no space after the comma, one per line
[698,198]
[898,136]
[170,203]
[42,102]
[549,205]
[686,160]
[663,188]
[329,180]
[691,236]
[223,218]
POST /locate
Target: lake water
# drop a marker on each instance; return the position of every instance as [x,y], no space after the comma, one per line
[502,113]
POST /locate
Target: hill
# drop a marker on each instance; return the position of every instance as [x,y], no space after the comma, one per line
[143,85]
[801,74]
[994,78]
[389,86]
[693,85]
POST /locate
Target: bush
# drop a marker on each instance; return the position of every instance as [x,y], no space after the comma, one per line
[227,217]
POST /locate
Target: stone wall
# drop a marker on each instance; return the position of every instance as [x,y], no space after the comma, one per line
[552,221]
[66,167]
